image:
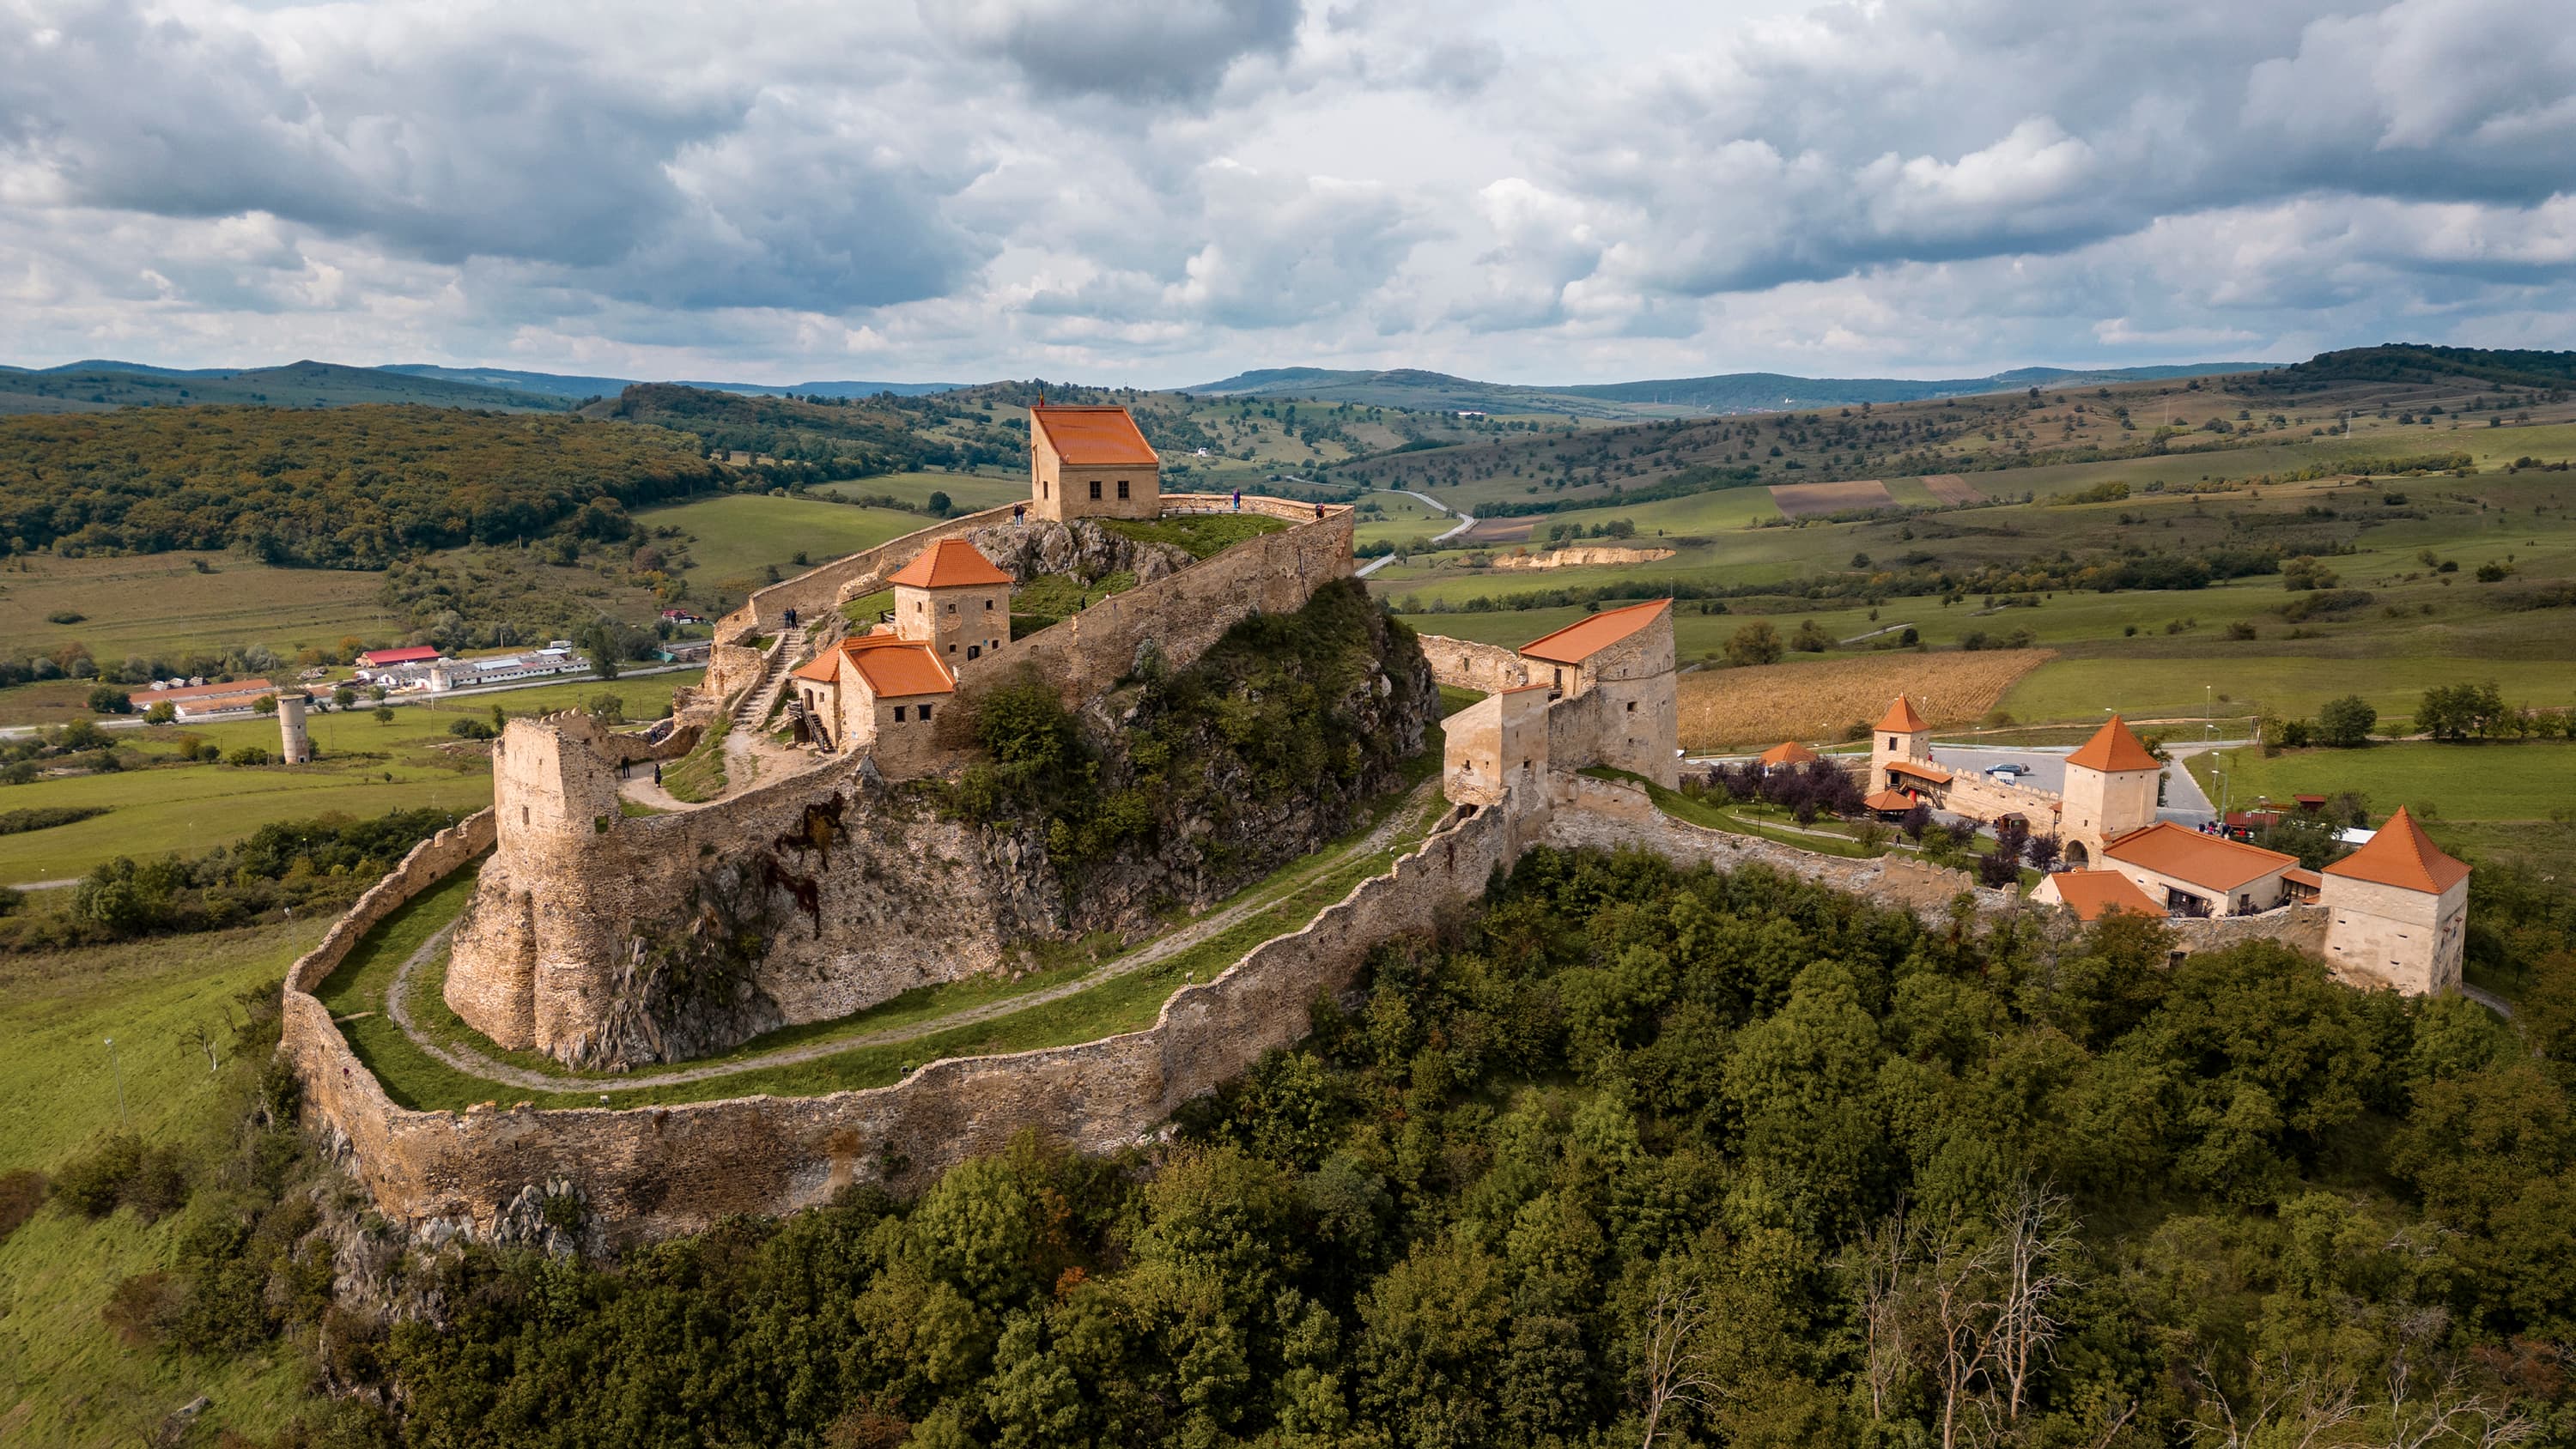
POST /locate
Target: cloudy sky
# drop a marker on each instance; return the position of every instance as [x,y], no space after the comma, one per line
[1127,191]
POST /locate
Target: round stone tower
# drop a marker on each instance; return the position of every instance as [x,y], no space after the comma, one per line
[294,746]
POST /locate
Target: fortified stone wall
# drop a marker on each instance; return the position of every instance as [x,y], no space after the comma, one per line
[1612,814]
[650,1172]
[1182,615]
[820,589]
[1484,668]
[2300,927]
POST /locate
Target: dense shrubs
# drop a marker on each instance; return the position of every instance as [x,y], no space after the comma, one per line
[287,864]
[1280,708]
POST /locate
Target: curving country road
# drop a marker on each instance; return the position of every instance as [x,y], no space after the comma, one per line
[1465,521]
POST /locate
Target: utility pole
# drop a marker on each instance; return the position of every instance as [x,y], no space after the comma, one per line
[118,1068]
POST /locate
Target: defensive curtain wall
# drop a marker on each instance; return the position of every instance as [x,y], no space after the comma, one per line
[546,957]
[646,1172]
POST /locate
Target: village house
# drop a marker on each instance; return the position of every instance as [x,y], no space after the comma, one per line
[556,658]
[878,693]
[1790,755]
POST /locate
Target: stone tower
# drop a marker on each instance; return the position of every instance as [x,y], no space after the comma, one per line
[294,746]
[2110,791]
[1901,738]
[953,599]
[2397,910]
[526,967]
[1091,462]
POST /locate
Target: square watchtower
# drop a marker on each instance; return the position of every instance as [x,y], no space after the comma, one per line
[1091,462]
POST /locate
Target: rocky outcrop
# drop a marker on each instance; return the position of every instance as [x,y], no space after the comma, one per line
[1036,548]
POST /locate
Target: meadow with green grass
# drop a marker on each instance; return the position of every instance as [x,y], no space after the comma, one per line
[736,537]
[164,1001]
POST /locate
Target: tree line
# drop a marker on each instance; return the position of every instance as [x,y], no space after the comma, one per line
[341,488]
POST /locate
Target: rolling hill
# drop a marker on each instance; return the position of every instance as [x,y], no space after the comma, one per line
[1739,392]
[577,388]
[102,386]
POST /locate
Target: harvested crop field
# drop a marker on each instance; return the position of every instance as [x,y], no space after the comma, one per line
[1490,531]
[1807,500]
[1736,708]
[1951,488]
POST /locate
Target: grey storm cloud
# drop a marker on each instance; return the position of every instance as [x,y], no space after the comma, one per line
[1126,187]
[1122,49]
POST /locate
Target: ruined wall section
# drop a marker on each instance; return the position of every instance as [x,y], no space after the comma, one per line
[1465,664]
[626,943]
[651,1172]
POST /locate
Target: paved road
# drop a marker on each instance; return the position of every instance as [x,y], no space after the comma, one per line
[1465,521]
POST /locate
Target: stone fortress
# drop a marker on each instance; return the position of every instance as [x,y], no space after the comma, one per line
[597,933]
[2392,913]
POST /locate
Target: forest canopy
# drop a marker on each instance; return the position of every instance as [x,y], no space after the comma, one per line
[1631,1154]
[345,488]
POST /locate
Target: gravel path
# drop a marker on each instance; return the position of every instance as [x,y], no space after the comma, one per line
[474,1064]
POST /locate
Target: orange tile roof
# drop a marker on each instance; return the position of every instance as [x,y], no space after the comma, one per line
[1094,436]
[950,563]
[1788,752]
[898,668]
[2303,876]
[2114,748]
[823,668]
[1890,800]
[1584,638]
[1933,773]
[2402,855]
[1901,718]
[2213,861]
[2093,894]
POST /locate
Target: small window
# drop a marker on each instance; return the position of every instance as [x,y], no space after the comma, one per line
[988,606]
[952,648]
[1632,706]
[1560,677]
[1122,487]
[1095,490]
[925,711]
[974,651]
[1042,488]
[898,714]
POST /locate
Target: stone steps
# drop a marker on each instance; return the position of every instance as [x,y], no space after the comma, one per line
[761,698]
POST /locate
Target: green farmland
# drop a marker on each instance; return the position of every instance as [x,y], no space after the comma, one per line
[193,807]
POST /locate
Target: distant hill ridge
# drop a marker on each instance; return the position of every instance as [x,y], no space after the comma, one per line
[1725,393]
